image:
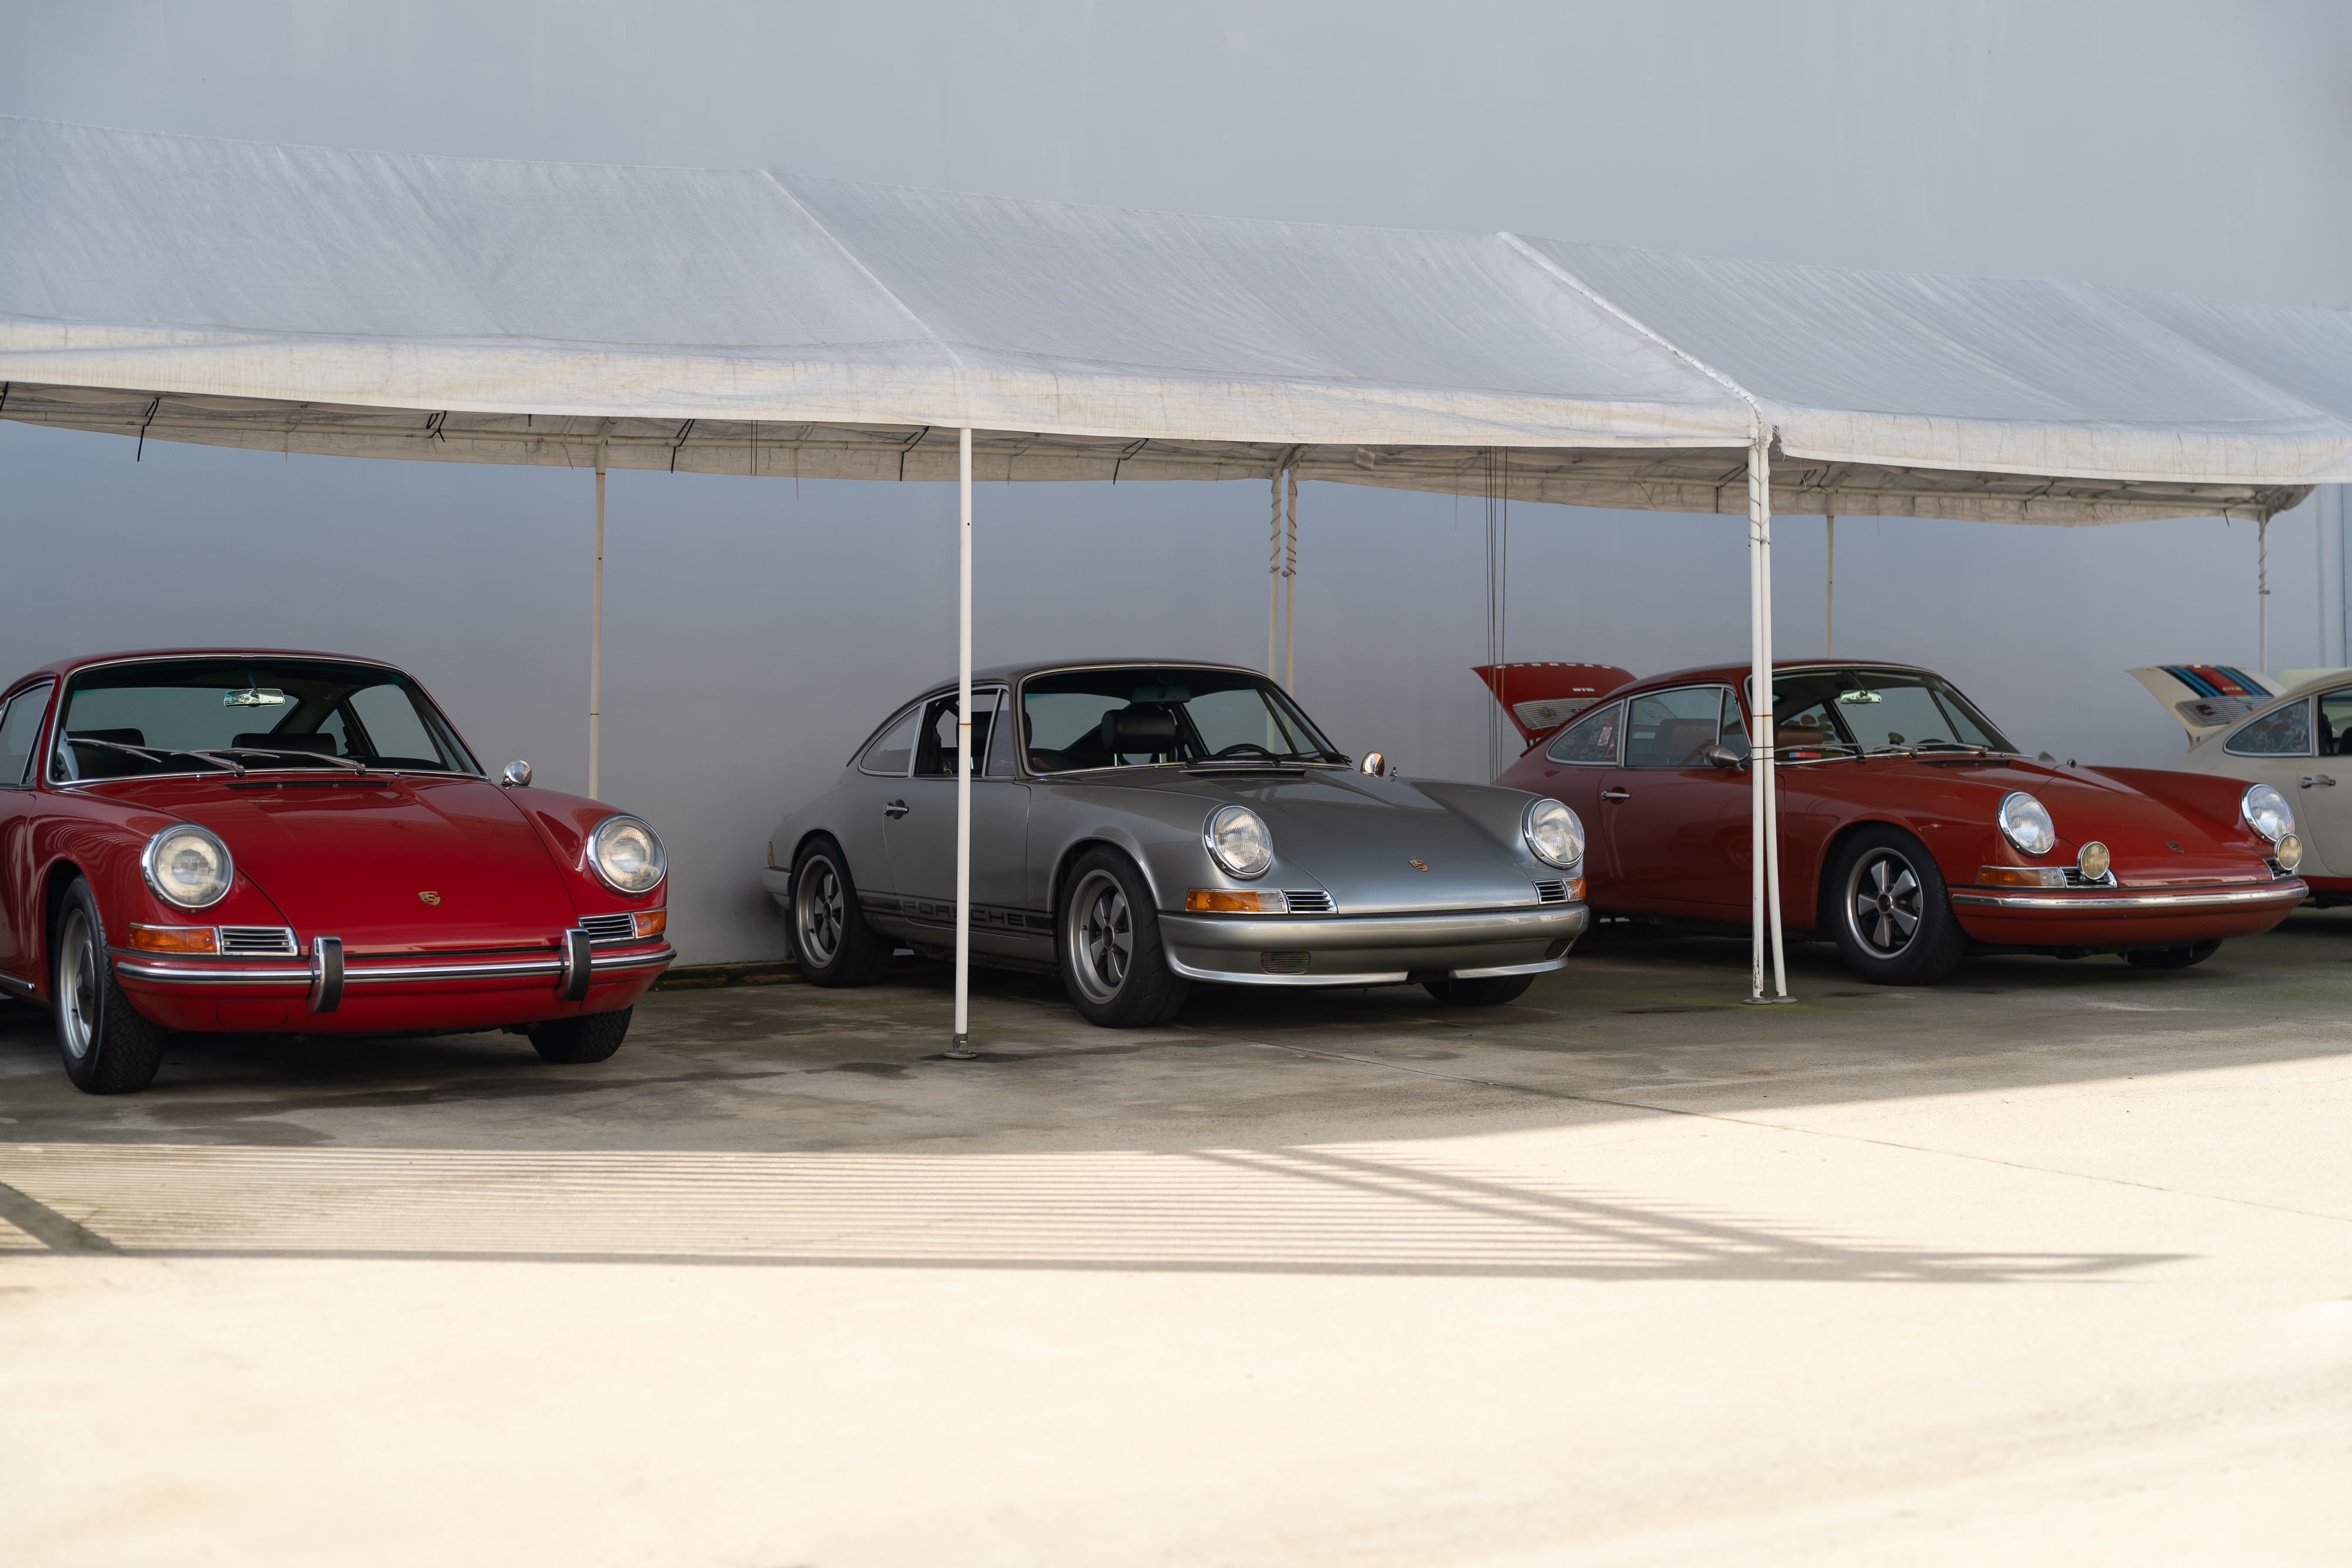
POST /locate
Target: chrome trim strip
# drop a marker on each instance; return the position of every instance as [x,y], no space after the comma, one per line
[2098,903]
[1243,977]
[212,974]
[379,974]
[25,986]
[1544,967]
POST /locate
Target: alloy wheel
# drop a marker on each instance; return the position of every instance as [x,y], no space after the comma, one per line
[1101,935]
[78,985]
[822,911]
[1885,902]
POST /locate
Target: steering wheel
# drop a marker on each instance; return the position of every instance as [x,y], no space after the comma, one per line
[1241,746]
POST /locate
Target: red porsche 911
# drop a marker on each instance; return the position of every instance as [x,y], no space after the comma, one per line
[210,841]
[1911,829]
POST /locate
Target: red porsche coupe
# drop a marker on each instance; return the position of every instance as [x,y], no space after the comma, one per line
[1910,828]
[217,840]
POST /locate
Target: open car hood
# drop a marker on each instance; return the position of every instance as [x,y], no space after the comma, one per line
[2205,699]
[1541,695]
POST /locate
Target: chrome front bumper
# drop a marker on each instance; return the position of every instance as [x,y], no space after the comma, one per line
[1371,949]
[2288,892]
[360,970]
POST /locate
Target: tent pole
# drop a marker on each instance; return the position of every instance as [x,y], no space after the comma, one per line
[1771,756]
[1274,586]
[1290,596]
[1763,830]
[2262,593]
[1829,625]
[597,637]
[960,1048]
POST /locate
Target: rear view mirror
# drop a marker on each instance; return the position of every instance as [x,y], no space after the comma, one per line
[1721,756]
[1374,763]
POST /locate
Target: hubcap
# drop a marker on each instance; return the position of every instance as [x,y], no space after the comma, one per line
[78,986]
[1101,935]
[1885,903]
[822,911]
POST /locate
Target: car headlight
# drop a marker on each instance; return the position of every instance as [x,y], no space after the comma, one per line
[188,867]
[2266,812]
[1554,834]
[627,855]
[1238,840]
[2025,823]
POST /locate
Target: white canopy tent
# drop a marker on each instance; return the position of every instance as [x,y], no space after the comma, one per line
[453,309]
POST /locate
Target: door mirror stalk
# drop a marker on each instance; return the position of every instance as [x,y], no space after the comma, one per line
[1721,756]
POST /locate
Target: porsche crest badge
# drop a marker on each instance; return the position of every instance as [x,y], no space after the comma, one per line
[429,897]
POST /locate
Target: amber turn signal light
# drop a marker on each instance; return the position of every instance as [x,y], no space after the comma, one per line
[1226,901]
[2020,876]
[1576,890]
[175,938]
[652,922]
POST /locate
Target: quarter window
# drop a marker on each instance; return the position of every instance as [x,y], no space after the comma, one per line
[2282,732]
[20,732]
[894,749]
[1591,739]
[1673,729]
[934,746]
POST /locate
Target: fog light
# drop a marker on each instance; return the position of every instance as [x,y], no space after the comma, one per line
[652,922]
[2092,861]
[175,938]
[2288,852]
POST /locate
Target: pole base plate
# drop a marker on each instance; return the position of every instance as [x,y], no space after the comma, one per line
[959,1049]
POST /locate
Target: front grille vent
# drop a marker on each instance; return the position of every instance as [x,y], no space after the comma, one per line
[1308,899]
[2074,878]
[258,941]
[1552,892]
[609,927]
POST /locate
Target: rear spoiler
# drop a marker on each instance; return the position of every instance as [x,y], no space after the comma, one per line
[1539,697]
[2206,698]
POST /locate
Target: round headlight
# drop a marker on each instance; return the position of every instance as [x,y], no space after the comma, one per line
[2266,812]
[2289,852]
[188,867]
[2092,861]
[1238,840]
[2025,823]
[627,855]
[1554,834]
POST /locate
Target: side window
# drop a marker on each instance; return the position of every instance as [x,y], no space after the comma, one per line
[1590,739]
[1735,725]
[1673,729]
[2283,732]
[20,731]
[1000,739]
[2335,723]
[934,745]
[893,747]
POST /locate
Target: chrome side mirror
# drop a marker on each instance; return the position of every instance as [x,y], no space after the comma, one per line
[1721,756]
[515,774]
[1374,764]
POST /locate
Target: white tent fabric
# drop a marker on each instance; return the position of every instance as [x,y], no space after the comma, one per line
[460,310]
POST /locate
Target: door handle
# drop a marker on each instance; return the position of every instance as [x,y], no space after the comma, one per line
[1616,794]
[2311,778]
[895,810]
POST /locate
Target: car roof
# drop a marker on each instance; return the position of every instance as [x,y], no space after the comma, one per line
[64,667]
[1005,674]
[1735,675]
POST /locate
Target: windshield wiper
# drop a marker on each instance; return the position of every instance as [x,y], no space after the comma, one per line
[158,753]
[346,762]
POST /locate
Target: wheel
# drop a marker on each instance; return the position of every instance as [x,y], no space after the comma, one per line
[2171,958]
[830,936]
[1889,910]
[1113,965]
[1490,992]
[108,1048]
[591,1037]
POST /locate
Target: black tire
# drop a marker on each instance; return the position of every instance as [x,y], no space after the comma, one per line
[1886,904]
[831,940]
[108,1048]
[2171,958]
[591,1037]
[1113,964]
[1491,991]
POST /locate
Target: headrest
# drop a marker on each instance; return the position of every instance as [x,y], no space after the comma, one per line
[323,745]
[120,737]
[1138,729]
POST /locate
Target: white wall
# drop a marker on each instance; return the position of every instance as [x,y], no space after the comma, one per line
[753,633]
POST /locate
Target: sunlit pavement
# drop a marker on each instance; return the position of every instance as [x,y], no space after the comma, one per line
[2052,1263]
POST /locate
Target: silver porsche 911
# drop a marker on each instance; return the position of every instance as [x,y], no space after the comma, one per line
[1139,826]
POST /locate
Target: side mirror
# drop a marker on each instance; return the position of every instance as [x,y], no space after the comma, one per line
[514,774]
[1721,756]
[1374,763]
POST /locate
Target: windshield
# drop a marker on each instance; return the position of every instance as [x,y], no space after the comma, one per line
[1140,716]
[1870,709]
[189,716]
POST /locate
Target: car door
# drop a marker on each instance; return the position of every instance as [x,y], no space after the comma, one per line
[876,789]
[922,837]
[20,734]
[1575,764]
[2322,797]
[2276,748]
[1677,825]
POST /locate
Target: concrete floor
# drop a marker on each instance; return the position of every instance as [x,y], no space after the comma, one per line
[2052,1263]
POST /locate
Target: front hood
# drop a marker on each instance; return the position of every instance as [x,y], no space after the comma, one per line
[1356,836]
[352,859]
[2151,841]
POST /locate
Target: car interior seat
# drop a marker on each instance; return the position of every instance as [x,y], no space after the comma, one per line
[104,761]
